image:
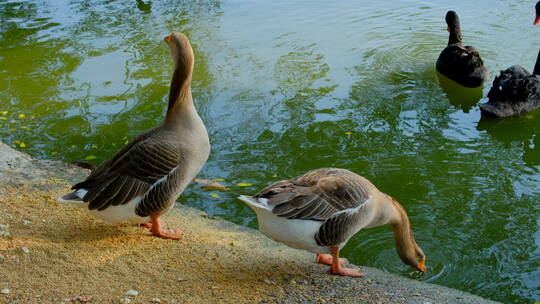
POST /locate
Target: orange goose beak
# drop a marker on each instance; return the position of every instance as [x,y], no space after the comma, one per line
[536,20]
[168,39]
[422,265]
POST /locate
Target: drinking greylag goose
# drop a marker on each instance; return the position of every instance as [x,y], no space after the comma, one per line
[322,209]
[460,63]
[537,16]
[514,92]
[144,179]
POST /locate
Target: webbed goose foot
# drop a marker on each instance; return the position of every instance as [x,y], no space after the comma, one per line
[157,230]
[326,259]
[337,268]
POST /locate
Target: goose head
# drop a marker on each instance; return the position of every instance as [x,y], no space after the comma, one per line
[181,51]
[452,20]
[416,259]
[537,18]
[407,248]
[409,251]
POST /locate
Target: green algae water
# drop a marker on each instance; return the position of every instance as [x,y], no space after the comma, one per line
[289,86]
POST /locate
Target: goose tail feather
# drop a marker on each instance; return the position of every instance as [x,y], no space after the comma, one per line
[75,197]
[255,203]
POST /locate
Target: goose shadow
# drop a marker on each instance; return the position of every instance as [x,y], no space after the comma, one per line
[76,230]
[461,97]
[87,232]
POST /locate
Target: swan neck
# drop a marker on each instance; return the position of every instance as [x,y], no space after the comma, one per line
[455,34]
[536,70]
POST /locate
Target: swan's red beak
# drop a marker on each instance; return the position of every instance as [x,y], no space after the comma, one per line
[536,20]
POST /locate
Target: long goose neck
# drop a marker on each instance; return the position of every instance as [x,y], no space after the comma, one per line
[536,70]
[455,33]
[180,98]
[405,243]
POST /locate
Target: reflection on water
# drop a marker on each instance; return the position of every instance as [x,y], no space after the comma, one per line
[285,87]
[144,6]
[521,131]
[459,96]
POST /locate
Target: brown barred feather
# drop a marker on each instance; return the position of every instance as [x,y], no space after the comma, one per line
[124,194]
[317,194]
[336,229]
[159,198]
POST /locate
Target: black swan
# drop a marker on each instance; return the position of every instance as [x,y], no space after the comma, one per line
[460,63]
[514,92]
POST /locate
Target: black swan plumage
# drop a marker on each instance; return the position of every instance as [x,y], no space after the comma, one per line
[514,92]
[460,63]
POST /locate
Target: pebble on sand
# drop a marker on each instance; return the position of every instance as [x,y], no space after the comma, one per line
[78,299]
[132,293]
[4,291]
[25,250]
[2,227]
[125,300]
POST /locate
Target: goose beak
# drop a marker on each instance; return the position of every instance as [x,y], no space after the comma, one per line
[448,29]
[536,20]
[422,265]
[167,39]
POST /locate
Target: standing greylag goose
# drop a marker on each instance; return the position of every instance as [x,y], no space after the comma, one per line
[460,63]
[142,181]
[322,209]
[514,92]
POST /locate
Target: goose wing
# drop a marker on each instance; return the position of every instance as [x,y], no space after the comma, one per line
[142,164]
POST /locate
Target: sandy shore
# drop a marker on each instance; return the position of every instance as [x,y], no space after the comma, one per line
[57,253]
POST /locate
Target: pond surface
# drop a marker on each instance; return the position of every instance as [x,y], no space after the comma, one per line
[288,86]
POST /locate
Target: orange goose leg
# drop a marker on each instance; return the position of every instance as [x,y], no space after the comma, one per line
[157,230]
[148,225]
[326,259]
[337,268]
